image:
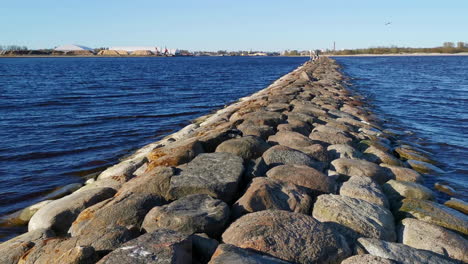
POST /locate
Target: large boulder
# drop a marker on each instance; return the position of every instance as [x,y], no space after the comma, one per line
[197,213]
[367,259]
[330,138]
[353,167]
[160,246]
[305,176]
[300,142]
[59,214]
[216,174]
[249,147]
[265,193]
[343,151]
[364,188]
[121,210]
[404,174]
[401,253]
[397,190]
[434,213]
[422,235]
[13,249]
[281,155]
[380,156]
[230,254]
[362,217]
[153,182]
[289,236]
[174,154]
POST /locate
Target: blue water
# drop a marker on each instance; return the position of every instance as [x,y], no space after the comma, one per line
[63,118]
[427,96]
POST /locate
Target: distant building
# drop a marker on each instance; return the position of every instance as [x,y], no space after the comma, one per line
[153,49]
[72,47]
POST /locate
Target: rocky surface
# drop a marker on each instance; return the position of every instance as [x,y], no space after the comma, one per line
[364,188]
[229,254]
[404,174]
[458,205]
[12,250]
[367,259]
[354,167]
[249,147]
[396,190]
[282,155]
[197,213]
[266,231]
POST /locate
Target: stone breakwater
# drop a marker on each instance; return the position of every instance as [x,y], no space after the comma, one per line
[300,172]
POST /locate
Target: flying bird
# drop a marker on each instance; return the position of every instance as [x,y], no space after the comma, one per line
[387,23]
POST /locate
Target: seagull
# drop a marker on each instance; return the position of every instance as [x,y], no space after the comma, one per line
[388,23]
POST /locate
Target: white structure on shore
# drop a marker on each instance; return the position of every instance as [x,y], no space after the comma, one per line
[72,47]
[153,49]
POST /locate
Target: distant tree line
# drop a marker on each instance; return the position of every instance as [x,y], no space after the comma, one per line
[13,48]
[447,47]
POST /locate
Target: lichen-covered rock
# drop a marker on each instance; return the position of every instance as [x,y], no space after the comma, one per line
[197,213]
[367,259]
[265,193]
[424,167]
[364,218]
[230,254]
[174,154]
[404,174]
[13,249]
[382,156]
[160,246]
[216,174]
[343,151]
[266,231]
[422,235]
[401,253]
[398,190]
[248,147]
[353,167]
[364,188]
[281,155]
[458,205]
[59,214]
[305,176]
[121,210]
[434,213]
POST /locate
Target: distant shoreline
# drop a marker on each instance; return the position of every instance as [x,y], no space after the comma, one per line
[399,55]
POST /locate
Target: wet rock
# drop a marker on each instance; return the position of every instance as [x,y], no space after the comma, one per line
[174,154]
[265,193]
[353,167]
[59,215]
[23,216]
[410,154]
[435,213]
[229,254]
[121,210]
[203,247]
[198,213]
[382,157]
[401,253]
[161,246]
[424,167]
[216,174]
[315,181]
[281,155]
[343,151]
[249,147]
[265,231]
[397,190]
[364,188]
[404,174]
[330,138]
[63,191]
[13,249]
[422,235]
[458,205]
[367,259]
[445,189]
[366,219]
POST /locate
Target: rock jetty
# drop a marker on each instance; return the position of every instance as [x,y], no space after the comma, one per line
[300,172]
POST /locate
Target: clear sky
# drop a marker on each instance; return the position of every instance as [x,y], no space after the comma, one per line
[233,25]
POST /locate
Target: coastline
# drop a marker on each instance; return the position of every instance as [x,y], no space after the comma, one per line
[401,55]
[305,123]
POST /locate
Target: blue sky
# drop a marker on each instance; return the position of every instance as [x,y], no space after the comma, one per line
[233,25]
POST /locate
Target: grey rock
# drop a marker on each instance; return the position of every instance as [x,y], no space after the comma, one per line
[401,253]
[364,188]
[367,259]
[353,167]
[59,215]
[330,138]
[203,247]
[255,168]
[281,155]
[161,246]
[343,151]
[404,174]
[382,156]
[230,254]
[249,147]
[265,231]
[216,174]
[197,213]
[398,190]
[364,218]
